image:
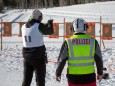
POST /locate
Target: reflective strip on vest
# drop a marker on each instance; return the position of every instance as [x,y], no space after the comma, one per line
[80,65]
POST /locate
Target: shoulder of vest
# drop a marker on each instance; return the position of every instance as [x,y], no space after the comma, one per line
[67,39]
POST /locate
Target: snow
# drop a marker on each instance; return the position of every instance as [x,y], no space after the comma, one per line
[11,61]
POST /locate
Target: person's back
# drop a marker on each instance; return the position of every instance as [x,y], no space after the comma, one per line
[34,50]
[31,36]
[80,51]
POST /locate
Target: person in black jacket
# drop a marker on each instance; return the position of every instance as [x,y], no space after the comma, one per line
[80,70]
[34,50]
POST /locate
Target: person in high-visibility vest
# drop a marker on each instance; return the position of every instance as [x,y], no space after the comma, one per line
[34,50]
[80,51]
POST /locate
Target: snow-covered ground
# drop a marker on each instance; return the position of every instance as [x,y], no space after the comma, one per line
[11,61]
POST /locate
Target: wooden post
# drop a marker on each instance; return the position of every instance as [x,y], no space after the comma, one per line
[64,31]
[1,34]
[100,30]
[103,44]
[101,39]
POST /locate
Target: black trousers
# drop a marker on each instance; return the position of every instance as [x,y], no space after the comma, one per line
[35,65]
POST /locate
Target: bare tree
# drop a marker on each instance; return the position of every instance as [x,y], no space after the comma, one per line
[56,2]
[32,2]
[21,4]
[26,5]
[64,2]
[72,2]
[50,3]
[40,3]
[61,2]
[46,3]
[79,2]
[1,5]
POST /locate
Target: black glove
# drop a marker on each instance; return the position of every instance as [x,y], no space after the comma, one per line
[50,21]
[105,75]
[46,59]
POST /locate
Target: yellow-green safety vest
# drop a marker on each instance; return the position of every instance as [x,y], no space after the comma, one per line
[81,49]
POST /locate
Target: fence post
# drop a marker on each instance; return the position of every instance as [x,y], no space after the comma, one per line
[103,44]
[64,31]
[1,34]
[100,30]
[101,39]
